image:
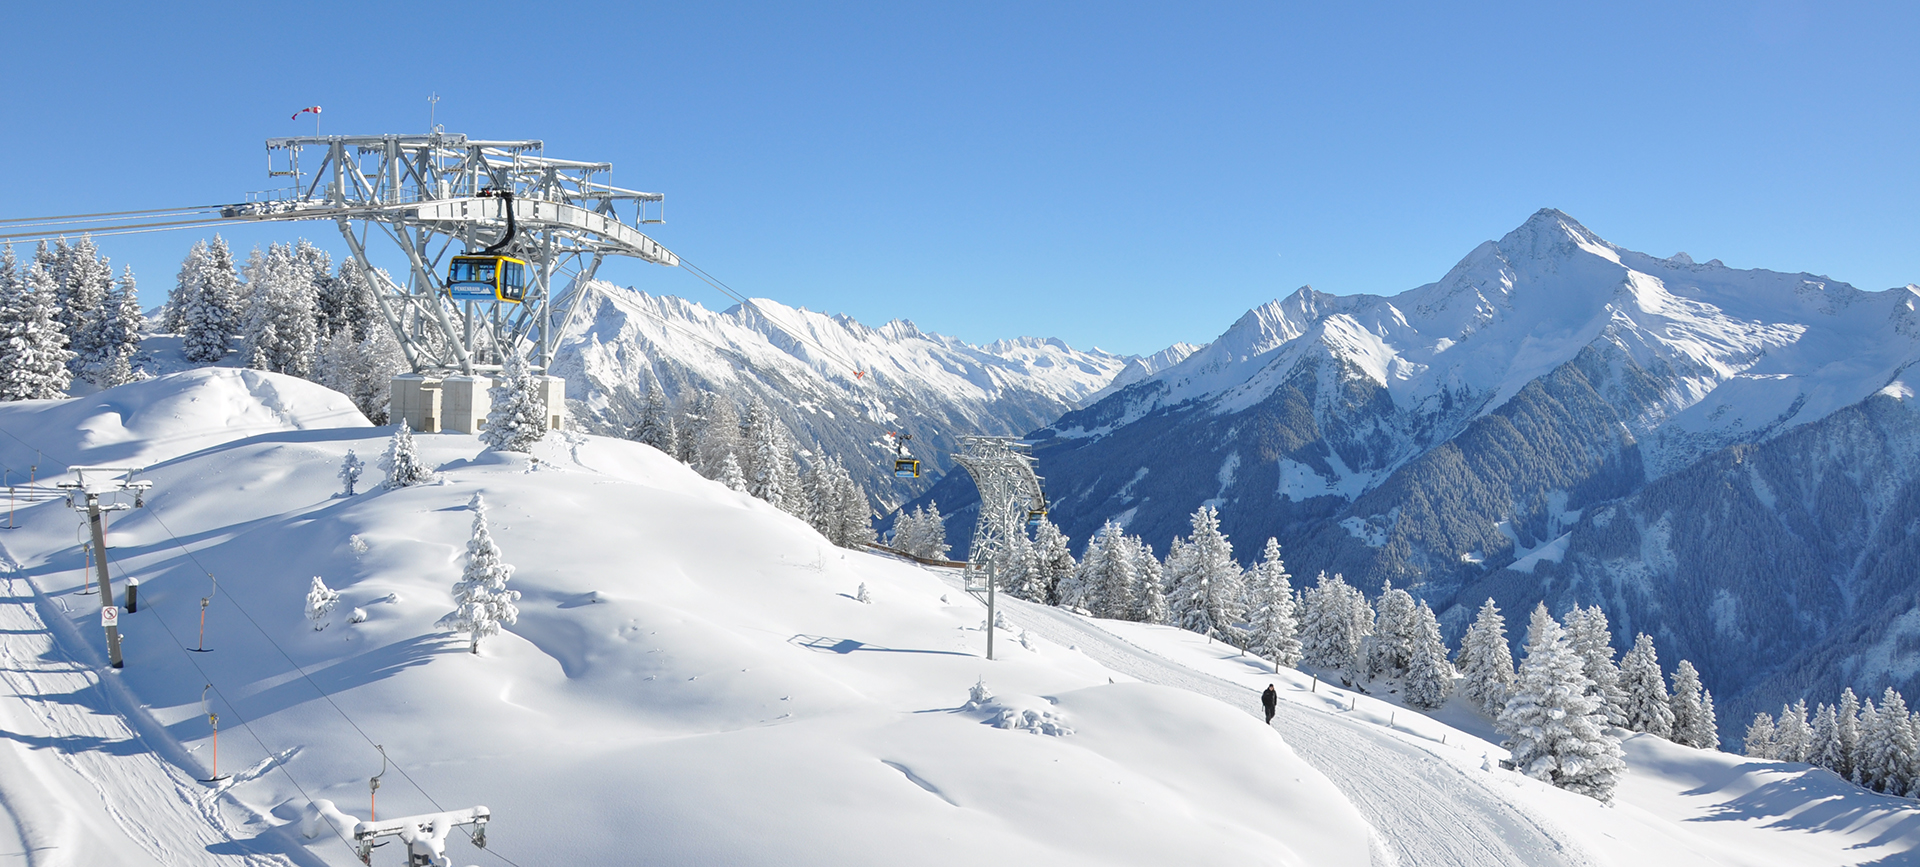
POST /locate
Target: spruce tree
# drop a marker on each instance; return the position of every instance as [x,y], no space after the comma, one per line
[1760,741]
[1826,751]
[186,283]
[651,427]
[1892,745]
[1334,629]
[1689,716]
[83,282]
[518,419]
[1587,629]
[114,336]
[1275,628]
[321,600]
[481,599]
[1429,675]
[731,475]
[1113,585]
[1152,584]
[210,303]
[1557,733]
[1395,621]
[1793,736]
[1649,708]
[1870,747]
[855,525]
[33,353]
[402,462]
[1847,725]
[1053,557]
[1484,660]
[1207,581]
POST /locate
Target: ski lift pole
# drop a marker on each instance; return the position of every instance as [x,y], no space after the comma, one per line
[373,786]
[109,615]
[213,719]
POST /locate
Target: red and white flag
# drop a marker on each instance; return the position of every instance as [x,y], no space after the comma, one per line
[311,108]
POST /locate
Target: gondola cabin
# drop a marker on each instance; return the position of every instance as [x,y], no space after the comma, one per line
[487,278]
[906,468]
[1034,517]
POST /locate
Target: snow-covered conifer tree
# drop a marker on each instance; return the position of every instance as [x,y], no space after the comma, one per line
[210,310]
[279,332]
[1079,591]
[651,427]
[1151,582]
[1793,736]
[1275,630]
[932,543]
[1333,632]
[402,462]
[1824,743]
[481,599]
[33,353]
[714,424]
[1649,708]
[84,280]
[114,335]
[1689,716]
[1053,560]
[730,474]
[1556,732]
[852,526]
[1110,561]
[1390,650]
[350,470]
[1887,748]
[1485,661]
[519,415]
[320,603]
[185,285]
[1429,675]
[905,535]
[362,369]
[1847,725]
[1592,638]
[1207,582]
[1760,741]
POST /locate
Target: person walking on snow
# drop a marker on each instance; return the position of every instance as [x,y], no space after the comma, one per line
[1270,700]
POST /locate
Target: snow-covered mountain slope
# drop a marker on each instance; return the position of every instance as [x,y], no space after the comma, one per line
[838,384]
[690,680]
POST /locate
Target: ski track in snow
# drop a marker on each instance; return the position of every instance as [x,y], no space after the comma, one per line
[1424,811]
[71,761]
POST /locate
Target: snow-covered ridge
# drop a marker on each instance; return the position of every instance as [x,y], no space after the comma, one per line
[1741,353]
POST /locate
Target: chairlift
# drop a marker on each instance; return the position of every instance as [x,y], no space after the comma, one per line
[490,275]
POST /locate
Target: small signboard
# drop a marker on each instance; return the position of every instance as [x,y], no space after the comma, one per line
[110,616]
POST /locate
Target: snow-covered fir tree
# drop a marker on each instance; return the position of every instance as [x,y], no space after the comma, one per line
[320,602]
[1206,581]
[772,475]
[1334,629]
[84,279]
[714,424]
[362,369]
[1889,748]
[1847,732]
[1152,582]
[1592,638]
[1793,734]
[1051,554]
[519,415]
[1485,662]
[114,336]
[33,353]
[1429,678]
[481,599]
[654,424]
[1645,705]
[317,266]
[209,298]
[175,320]
[402,462]
[1390,647]
[1555,730]
[1648,706]
[278,331]
[1275,631]
[921,532]
[731,475]
[350,470]
[1107,574]
[1824,740]
[1691,723]
[1759,740]
[1869,749]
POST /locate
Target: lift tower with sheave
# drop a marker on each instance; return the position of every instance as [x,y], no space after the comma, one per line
[479,229]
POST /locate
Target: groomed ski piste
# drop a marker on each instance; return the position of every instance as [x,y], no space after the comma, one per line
[693,680]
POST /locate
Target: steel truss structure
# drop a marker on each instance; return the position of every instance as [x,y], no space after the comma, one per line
[427,195]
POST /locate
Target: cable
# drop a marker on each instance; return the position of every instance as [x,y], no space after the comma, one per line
[105,231]
[72,217]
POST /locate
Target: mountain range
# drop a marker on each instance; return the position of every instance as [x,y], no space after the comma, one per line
[1720,457]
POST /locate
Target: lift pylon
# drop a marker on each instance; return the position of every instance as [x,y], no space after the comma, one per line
[431,197]
[1002,470]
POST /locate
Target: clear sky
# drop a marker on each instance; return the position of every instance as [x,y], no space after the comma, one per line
[1116,175]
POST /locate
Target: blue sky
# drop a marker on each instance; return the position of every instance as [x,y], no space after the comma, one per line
[1116,175]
